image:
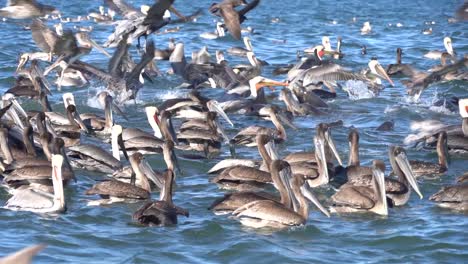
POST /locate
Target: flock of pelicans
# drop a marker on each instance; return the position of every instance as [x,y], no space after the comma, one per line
[40,149]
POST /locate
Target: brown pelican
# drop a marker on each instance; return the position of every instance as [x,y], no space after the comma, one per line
[117,191]
[23,9]
[142,25]
[247,135]
[420,82]
[40,202]
[268,213]
[231,17]
[242,177]
[322,49]
[93,158]
[240,51]
[352,199]
[428,132]
[315,165]
[203,136]
[294,106]
[164,54]
[435,54]
[125,84]
[454,197]
[421,168]
[254,89]
[218,33]
[399,67]
[163,212]
[23,256]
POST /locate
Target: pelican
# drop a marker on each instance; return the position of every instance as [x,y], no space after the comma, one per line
[421,168]
[352,199]
[314,165]
[436,55]
[118,191]
[399,67]
[41,202]
[242,177]
[219,32]
[322,49]
[247,135]
[240,51]
[163,212]
[454,197]
[268,213]
[17,9]
[165,54]
[255,87]
[231,17]
[428,131]
[203,136]
[293,105]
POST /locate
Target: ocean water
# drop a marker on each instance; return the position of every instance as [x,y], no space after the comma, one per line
[415,233]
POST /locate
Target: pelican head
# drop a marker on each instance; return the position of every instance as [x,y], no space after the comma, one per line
[379,71]
[400,164]
[326,43]
[381,206]
[144,9]
[448,45]
[152,114]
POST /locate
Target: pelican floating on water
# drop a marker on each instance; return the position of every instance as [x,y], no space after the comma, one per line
[38,201]
[293,210]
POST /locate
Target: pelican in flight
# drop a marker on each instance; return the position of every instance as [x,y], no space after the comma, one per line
[38,201]
[23,9]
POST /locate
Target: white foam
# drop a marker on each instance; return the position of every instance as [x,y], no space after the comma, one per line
[357,90]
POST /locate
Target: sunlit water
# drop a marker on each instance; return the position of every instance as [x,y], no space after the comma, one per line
[418,232]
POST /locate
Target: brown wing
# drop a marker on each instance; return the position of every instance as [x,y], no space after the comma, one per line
[231,19]
[354,196]
[118,189]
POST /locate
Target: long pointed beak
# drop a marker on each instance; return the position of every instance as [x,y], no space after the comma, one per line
[117,109]
[380,179]
[57,180]
[311,197]
[101,49]
[21,64]
[270,84]
[80,122]
[108,112]
[271,150]
[331,143]
[176,161]
[403,163]
[285,120]
[214,106]
[285,176]
[380,70]
[221,131]
[150,174]
[172,132]
[122,146]
[320,151]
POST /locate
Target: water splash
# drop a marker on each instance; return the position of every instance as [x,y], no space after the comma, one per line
[357,90]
